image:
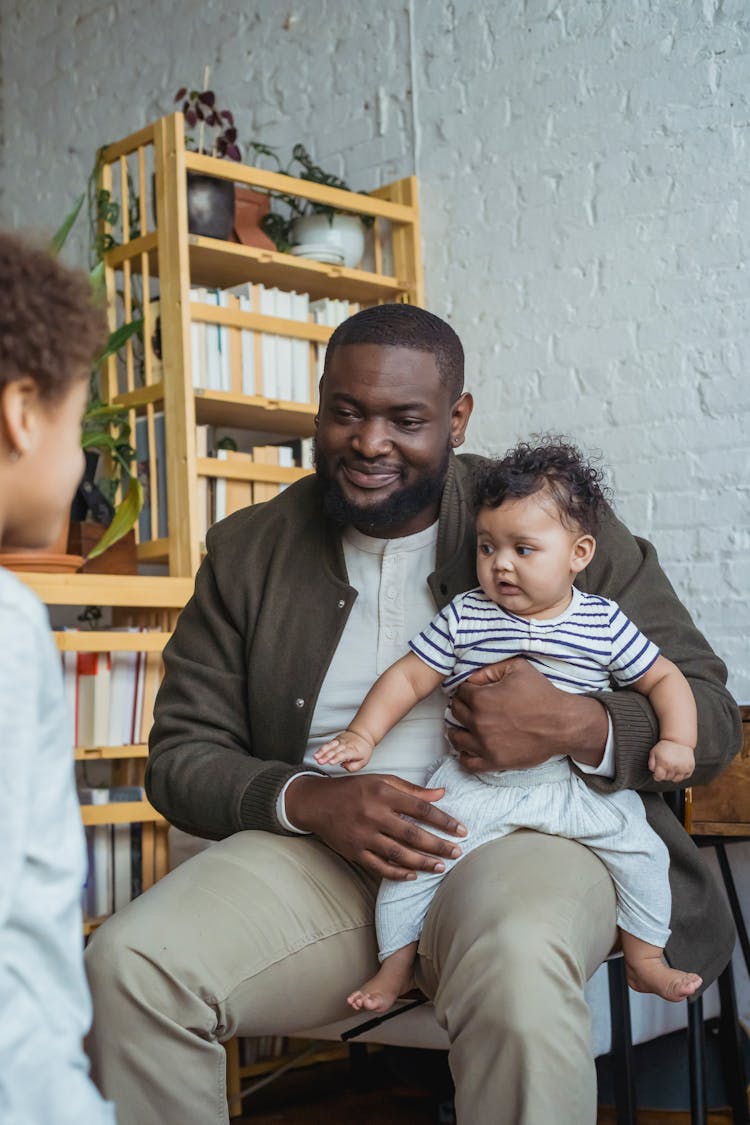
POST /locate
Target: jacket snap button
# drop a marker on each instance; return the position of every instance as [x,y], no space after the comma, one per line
[342,603]
[299,703]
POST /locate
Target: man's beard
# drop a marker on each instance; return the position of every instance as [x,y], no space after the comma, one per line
[395,510]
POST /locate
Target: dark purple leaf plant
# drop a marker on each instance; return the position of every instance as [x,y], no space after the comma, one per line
[201,114]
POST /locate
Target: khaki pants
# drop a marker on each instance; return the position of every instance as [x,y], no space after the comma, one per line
[263,935]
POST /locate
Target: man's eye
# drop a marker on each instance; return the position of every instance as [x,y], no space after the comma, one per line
[410,423]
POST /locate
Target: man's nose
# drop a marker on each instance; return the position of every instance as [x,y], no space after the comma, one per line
[371,438]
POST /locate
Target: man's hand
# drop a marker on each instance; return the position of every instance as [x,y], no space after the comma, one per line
[514,718]
[364,819]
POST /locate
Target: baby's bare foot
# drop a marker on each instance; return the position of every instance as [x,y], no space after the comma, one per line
[654,975]
[371,1000]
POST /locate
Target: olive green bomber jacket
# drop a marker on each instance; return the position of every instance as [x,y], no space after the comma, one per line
[252,646]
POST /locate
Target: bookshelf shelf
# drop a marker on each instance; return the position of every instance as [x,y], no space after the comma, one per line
[118,590]
[102,640]
[123,812]
[218,264]
[222,408]
[110,753]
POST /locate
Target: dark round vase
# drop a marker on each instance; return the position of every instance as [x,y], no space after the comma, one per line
[210,205]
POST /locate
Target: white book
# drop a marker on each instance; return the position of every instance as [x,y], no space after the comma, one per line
[97,889]
[202,490]
[286,459]
[220,491]
[199,360]
[225,373]
[269,346]
[213,347]
[321,315]
[136,721]
[93,676]
[248,352]
[306,453]
[300,351]
[69,664]
[123,680]
[284,349]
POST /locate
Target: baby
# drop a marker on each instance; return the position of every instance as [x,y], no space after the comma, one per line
[538,511]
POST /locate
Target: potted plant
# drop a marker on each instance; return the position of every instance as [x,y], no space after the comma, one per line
[315,230]
[210,131]
[106,429]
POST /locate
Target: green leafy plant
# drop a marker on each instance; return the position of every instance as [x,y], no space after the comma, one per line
[106,429]
[278,224]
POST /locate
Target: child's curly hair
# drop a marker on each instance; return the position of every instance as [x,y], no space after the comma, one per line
[575,485]
[50,329]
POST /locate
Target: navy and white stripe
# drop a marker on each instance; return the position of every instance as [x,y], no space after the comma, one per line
[579,651]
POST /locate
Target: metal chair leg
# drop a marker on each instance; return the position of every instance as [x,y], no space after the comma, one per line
[731,1046]
[622,1043]
[697,1062]
[734,900]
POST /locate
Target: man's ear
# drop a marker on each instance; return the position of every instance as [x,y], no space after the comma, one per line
[582,553]
[19,401]
[460,414]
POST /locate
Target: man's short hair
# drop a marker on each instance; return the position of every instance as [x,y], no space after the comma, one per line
[406,326]
[50,329]
[574,484]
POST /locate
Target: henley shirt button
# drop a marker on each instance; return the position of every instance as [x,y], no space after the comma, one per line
[299,703]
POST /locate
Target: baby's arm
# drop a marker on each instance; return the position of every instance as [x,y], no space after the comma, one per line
[673,756]
[390,698]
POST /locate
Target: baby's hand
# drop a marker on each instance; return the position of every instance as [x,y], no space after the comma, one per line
[671,761]
[348,749]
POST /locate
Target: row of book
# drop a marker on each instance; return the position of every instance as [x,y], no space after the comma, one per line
[115,854]
[242,361]
[216,497]
[110,696]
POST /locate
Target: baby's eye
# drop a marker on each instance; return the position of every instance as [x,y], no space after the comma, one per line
[523,551]
[485,549]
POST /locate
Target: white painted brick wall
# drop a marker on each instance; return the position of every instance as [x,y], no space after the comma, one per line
[584,184]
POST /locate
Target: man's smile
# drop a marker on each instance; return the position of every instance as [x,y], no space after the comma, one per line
[363,475]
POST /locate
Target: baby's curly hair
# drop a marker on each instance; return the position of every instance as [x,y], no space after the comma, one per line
[574,484]
[50,329]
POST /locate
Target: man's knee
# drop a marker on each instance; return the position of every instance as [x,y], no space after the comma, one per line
[115,965]
[520,909]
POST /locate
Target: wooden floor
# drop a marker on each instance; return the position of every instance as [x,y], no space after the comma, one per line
[389,1090]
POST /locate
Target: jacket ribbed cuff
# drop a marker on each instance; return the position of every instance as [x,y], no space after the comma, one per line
[258,802]
[635,731]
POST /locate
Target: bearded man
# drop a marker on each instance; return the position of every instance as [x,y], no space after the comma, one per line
[299,604]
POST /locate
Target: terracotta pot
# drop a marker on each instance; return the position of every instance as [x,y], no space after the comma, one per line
[249,208]
[120,558]
[46,560]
